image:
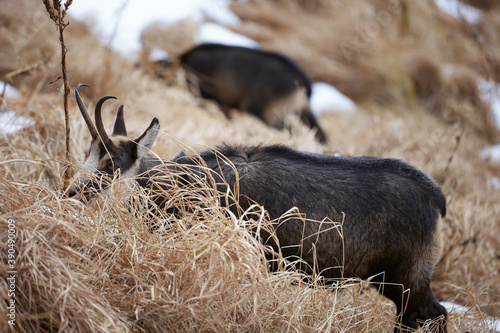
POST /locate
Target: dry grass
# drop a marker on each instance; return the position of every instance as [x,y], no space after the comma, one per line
[98,268]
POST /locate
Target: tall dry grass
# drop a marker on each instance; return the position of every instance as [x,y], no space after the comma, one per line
[98,267]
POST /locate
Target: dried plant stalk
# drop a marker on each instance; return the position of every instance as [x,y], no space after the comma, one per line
[57,15]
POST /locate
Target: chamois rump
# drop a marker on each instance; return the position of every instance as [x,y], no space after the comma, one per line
[391,212]
[268,85]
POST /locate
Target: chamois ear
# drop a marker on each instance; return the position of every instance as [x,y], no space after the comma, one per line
[119,126]
[147,139]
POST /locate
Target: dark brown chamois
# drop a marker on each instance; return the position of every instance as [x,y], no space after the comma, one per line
[390,211]
[266,84]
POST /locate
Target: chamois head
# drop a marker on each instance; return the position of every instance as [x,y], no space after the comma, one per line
[113,156]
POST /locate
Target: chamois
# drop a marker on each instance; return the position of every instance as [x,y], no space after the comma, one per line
[266,84]
[391,212]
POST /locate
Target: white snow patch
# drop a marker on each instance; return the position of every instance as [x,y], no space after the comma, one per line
[452,307]
[495,181]
[490,93]
[10,91]
[491,153]
[448,70]
[158,54]
[214,33]
[218,11]
[325,97]
[491,324]
[11,122]
[119,23]
[459,10]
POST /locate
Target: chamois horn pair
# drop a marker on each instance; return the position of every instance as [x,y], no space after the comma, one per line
[96,130]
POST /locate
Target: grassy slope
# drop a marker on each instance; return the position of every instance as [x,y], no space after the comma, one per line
[90,269]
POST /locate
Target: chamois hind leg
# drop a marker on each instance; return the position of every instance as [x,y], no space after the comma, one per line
[308,119]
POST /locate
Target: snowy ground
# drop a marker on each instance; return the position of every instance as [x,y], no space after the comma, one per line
[491,153]
[492,324]
[215,33]
[119,22]
[327,98]
[459,10]
[10,91]
[495,181]
[490,93]
[11,122]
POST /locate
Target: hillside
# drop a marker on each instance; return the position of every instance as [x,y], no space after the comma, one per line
[413,72]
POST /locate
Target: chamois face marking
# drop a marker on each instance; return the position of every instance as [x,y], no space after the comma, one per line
[92,158]
[118,154]
[118,162]
[113,160]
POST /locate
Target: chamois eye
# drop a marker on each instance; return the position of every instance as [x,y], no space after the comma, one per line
[112,167]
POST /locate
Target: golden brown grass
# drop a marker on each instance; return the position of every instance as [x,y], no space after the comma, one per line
[98,268]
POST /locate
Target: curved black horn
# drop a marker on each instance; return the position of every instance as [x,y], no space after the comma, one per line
[83,110]
[98,119]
